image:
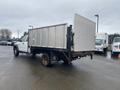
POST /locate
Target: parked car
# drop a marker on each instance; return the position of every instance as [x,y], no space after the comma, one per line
[3,42]
[9,42]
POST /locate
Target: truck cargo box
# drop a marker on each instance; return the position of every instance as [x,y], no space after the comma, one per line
[55,36]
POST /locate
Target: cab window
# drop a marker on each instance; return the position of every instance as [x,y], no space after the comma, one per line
[25,38]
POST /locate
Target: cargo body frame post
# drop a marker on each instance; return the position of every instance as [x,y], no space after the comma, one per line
[69,42]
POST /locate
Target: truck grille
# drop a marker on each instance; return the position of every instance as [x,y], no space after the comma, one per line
[116,46]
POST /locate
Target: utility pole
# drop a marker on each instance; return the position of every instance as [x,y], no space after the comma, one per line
[97,16]
[18,33]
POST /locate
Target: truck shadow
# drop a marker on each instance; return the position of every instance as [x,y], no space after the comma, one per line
[100,53]
[58,75]
[36,60]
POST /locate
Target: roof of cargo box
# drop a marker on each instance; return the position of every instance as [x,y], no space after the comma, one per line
[83,17]
[73,23]
[49,26]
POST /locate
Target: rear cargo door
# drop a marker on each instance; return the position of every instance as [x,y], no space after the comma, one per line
[84,34]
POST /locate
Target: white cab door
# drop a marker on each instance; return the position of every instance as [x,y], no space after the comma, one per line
[24,44]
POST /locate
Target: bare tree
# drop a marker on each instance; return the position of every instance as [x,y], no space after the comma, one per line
[5,33]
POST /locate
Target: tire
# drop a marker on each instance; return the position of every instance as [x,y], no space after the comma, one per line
[105,51]
[16,52]
[45,60]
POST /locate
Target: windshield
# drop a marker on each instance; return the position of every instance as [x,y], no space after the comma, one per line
[117,39]
[24,38]
[98,42]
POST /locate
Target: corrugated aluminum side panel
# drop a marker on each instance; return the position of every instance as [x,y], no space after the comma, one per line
[50,36]
[45,37]
[31,38]
[61,36]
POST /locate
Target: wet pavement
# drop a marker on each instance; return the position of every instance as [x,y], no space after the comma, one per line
[26,73]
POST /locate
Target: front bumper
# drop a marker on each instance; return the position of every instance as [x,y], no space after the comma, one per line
[99,49]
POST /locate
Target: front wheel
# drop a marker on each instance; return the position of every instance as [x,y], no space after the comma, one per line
[16,52]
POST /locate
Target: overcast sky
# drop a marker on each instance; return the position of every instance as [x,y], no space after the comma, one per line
[19,14]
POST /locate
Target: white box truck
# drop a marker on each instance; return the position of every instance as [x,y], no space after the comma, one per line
[116,46]
[101,42]
[60,42]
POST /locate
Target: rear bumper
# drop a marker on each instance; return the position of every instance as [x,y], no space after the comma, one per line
[82,54]
[99,50]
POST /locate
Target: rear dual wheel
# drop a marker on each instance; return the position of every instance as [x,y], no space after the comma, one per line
[45,60]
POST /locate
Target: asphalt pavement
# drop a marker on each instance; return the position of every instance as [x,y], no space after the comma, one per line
[26,73]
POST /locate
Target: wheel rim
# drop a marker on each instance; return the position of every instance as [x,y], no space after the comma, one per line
[45,61]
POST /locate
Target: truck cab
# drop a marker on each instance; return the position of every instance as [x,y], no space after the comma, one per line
[116,45]
[101,42]
[21,46]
